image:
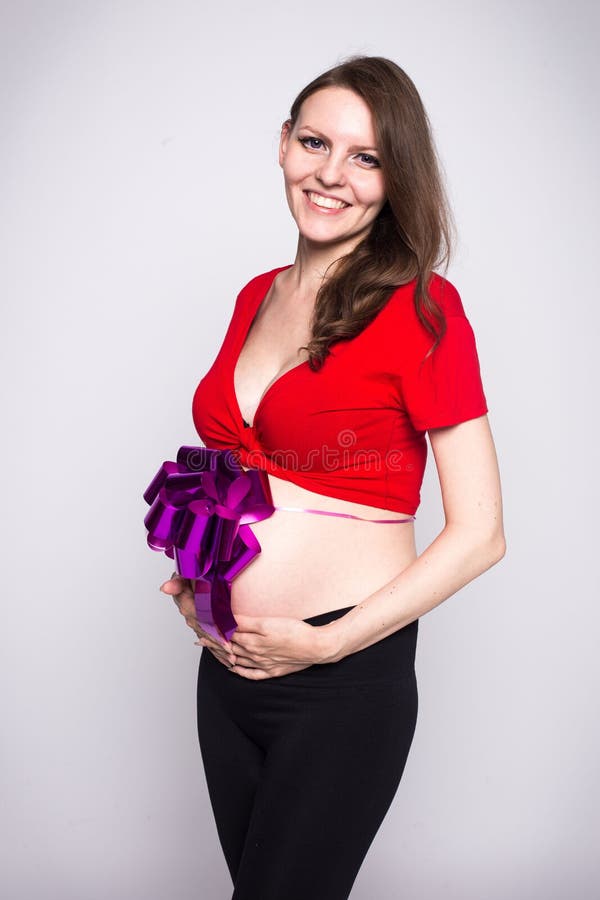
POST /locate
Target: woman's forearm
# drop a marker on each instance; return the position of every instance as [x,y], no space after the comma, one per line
[451,561]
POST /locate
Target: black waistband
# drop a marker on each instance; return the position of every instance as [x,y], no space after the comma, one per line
[324,618]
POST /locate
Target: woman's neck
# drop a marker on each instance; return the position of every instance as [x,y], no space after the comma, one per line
[313,263]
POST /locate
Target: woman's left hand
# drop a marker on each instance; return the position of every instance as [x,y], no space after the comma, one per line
[271,646]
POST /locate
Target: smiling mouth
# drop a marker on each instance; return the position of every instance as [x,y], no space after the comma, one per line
[326,202]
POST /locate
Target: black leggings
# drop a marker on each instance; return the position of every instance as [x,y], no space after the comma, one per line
[302,769]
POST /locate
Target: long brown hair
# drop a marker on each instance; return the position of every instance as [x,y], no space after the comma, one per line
[413,232]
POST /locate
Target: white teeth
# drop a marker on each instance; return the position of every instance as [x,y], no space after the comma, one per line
[327,202]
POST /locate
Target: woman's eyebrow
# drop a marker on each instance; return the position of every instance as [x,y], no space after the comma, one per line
[353,149]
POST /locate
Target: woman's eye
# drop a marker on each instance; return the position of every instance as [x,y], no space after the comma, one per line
[369,160]
[312,143]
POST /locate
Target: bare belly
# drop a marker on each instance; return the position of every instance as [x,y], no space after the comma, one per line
[311,564]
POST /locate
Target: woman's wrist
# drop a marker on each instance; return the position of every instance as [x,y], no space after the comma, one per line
[329,643]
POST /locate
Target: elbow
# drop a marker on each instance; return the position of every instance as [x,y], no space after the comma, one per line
[488,546]
[499,545]
[495,547]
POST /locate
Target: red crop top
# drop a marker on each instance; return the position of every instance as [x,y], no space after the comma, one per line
[354,430]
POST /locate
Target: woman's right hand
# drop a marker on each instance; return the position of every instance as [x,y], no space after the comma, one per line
[183,596]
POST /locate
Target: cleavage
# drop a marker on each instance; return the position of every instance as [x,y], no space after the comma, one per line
[257,368]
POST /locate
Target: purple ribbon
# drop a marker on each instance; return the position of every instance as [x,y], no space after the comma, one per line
[200,512]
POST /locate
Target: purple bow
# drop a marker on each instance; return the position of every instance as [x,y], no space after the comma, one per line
[200,510]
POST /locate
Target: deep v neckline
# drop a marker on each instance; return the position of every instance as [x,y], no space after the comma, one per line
[241,344]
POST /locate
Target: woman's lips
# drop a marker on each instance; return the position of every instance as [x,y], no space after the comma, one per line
[328,205]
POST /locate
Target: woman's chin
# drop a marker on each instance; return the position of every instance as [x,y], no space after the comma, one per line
[326,240]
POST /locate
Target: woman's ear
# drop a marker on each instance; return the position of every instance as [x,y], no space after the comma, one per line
[284,139]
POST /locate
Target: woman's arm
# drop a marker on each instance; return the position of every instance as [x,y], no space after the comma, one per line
[471,542]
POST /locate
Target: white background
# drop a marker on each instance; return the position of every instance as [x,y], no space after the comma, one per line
[139,191]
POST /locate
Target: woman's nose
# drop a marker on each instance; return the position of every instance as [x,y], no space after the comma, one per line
[331,171]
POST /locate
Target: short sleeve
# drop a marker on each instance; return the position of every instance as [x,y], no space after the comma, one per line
[446,388]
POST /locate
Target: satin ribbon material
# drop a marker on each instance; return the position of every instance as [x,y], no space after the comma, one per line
[201,509]
[328,512]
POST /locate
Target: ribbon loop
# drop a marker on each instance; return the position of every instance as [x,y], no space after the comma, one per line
[201,508]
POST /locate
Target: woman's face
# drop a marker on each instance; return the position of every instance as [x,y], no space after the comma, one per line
[333,180]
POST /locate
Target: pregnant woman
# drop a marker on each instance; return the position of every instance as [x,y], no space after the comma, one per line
[333,373]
